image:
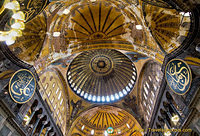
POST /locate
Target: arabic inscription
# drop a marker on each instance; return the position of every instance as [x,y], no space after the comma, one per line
[22,86]
[178,76]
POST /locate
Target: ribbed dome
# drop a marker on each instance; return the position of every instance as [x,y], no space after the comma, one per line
[102,75]
[97,120]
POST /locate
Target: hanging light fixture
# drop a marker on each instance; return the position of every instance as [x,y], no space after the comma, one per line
[19,16]
[168,133]
[18,25]
[9,37]
[14,5]
[175,119]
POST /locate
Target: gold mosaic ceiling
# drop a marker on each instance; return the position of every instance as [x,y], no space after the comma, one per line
[101,24]
[29,45]
[102,75]
[168,27]
[97,120]
[84,25]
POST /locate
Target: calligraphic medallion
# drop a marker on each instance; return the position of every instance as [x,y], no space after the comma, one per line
[178,76]
[22,86]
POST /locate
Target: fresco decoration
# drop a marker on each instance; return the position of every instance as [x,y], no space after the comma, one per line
[168,26]
[178,76]
[76,106]
[53,6]
[135,57]
[102,21]
[29,45]
[102,24]
[130,103]
[64,62]
[102,76]
[22,86]
[99,119]
[97,25]
[32,8]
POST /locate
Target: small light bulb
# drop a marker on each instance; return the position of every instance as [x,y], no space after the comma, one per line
[94,98]
[139,27]
[103,99]
[3,37]
[15,32]
[98,99]
[12,5]
[168,133]
[19,15]
[56,34]
[18,25]
[92,132]
[66,11]
[175,118]
[108,99]
[10,41]
[116,96]
[112,98]
[90,97]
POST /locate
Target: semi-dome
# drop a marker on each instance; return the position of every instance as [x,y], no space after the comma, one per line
[106,120]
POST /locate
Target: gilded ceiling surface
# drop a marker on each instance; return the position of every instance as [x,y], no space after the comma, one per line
[97,120]
[101,24]
[29,45]
[168,27]
[70,27]
[102,75]
[91,52]
[53,91]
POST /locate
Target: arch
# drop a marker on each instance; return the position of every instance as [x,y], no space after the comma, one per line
[148,85]
[35,104]
[56,95]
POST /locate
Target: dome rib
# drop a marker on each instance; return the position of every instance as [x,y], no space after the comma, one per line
[102,75]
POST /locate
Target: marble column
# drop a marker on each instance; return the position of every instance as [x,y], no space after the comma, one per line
[32,114]
[43,125]
[47,131]
[36,123]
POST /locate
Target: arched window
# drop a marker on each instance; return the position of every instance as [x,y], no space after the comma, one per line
[55,95]
[150,80]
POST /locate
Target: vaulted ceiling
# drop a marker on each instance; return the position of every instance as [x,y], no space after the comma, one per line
[100,52]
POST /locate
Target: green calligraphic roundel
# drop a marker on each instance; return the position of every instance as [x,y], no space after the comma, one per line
[22,86]
[178,76]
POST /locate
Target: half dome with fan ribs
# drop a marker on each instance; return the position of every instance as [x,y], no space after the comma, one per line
[102,75]
[97,120]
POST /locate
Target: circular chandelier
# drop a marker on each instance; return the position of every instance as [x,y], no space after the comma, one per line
[16,28]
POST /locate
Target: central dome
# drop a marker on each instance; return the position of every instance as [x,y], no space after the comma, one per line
[102,75]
